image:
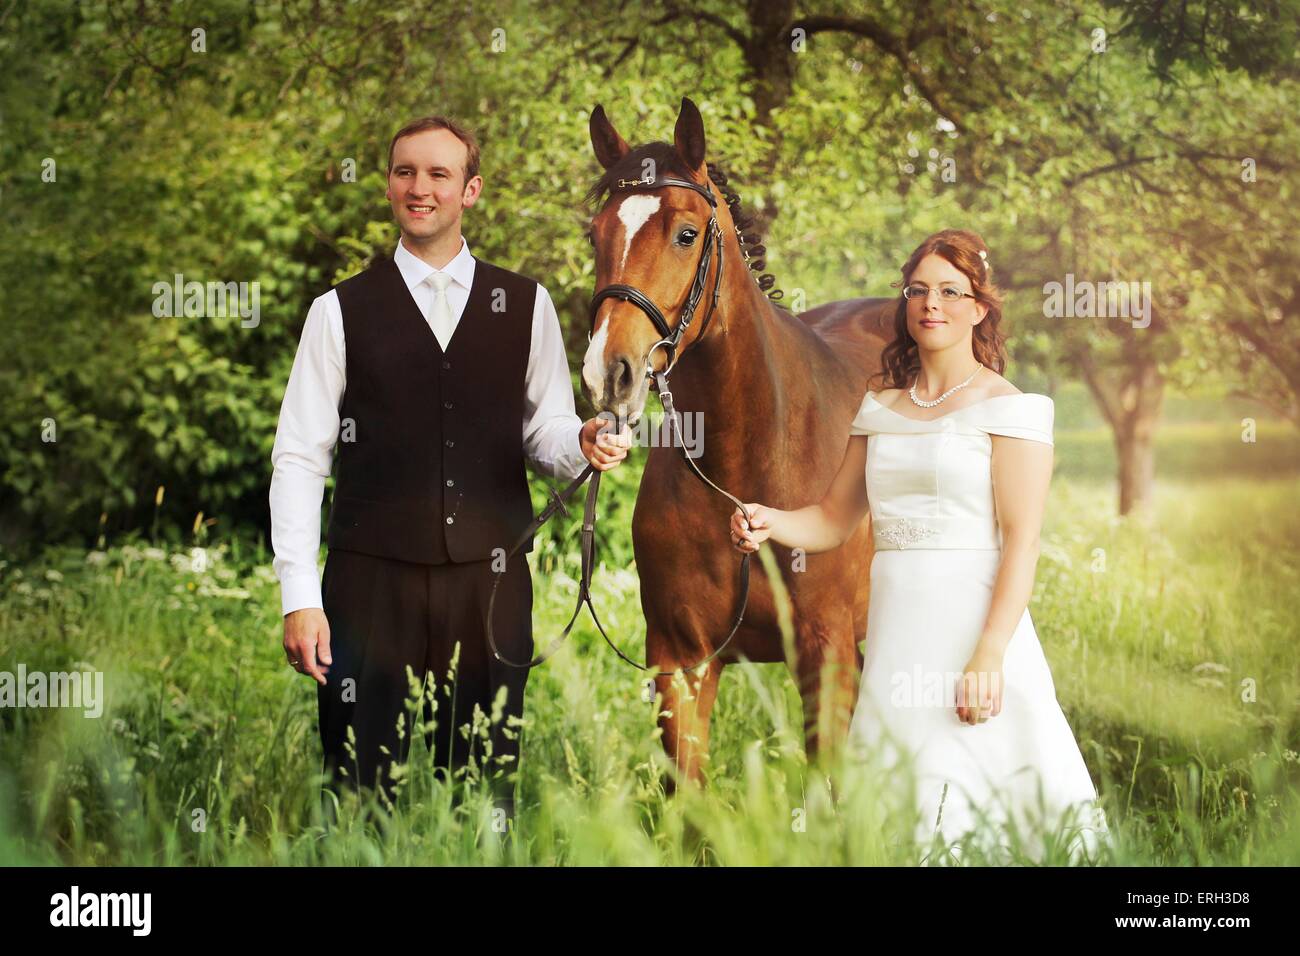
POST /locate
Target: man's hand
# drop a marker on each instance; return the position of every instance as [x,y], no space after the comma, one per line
[307,640]
[601,446]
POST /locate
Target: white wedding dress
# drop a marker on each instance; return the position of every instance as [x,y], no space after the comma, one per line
[938,547]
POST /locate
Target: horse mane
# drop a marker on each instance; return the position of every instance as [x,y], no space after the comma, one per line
[666,159]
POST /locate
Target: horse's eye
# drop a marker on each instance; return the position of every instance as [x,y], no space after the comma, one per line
[686,237]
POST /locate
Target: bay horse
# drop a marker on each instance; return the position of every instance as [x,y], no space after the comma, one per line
[777,392]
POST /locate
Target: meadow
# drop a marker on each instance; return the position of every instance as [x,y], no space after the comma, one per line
[1172,642]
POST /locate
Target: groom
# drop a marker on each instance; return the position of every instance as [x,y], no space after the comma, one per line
[436,374]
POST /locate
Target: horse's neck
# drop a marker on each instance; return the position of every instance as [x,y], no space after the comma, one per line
[736,377]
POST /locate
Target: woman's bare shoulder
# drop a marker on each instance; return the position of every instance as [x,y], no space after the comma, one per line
[994,385]
[887,396]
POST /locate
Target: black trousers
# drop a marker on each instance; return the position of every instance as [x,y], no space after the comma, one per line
[386,616]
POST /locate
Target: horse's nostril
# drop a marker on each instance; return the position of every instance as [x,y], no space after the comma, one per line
[624,376]
[620,379]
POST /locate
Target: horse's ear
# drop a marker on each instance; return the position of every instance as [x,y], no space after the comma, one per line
[608,145]
[689,134]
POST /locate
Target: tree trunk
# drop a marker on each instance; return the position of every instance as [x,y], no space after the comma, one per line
[1131,404]
[1141,397]
[1137,470]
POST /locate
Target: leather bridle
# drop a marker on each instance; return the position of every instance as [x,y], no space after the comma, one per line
[712,239]
[670,339]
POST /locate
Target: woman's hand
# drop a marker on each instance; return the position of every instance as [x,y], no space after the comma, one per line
[747,537]
[979,693]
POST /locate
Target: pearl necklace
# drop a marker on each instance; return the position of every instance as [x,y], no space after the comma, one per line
[923,404]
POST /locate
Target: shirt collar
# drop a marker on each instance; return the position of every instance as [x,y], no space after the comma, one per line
[415,270]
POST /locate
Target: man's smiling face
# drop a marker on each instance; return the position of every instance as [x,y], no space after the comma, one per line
[426,185]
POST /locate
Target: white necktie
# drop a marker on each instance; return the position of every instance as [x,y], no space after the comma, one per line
[440,318]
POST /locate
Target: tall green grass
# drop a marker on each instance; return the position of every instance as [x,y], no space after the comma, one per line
[1171,640]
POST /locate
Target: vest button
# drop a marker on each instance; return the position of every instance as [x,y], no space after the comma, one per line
[446,405]
[450,520]
[450,443]
[450,483]
[446,365]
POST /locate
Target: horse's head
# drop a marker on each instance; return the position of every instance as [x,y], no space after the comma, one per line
[657,234]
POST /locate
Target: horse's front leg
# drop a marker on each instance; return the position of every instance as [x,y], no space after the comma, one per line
[685,706]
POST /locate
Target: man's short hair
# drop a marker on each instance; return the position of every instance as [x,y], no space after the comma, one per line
[462,133]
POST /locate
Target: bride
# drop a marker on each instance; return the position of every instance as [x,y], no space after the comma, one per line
[953,462]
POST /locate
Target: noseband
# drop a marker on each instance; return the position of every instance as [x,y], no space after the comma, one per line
[670,339]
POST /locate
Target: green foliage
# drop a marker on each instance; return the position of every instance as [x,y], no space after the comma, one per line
[1256,37]
[261,159]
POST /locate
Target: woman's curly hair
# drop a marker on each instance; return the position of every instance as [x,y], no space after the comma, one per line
[901,360]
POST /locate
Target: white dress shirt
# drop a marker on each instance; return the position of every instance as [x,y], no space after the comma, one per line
[309,416]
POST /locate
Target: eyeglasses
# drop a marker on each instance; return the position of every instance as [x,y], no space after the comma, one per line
[947,293]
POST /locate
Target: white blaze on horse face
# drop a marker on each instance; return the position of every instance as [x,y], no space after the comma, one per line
[593,363]
[633,213]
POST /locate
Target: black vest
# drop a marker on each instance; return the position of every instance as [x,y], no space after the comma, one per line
[432,470]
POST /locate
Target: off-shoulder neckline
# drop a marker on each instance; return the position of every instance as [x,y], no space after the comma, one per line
[956,411]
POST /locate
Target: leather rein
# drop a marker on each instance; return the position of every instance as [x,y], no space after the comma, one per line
[670,339]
